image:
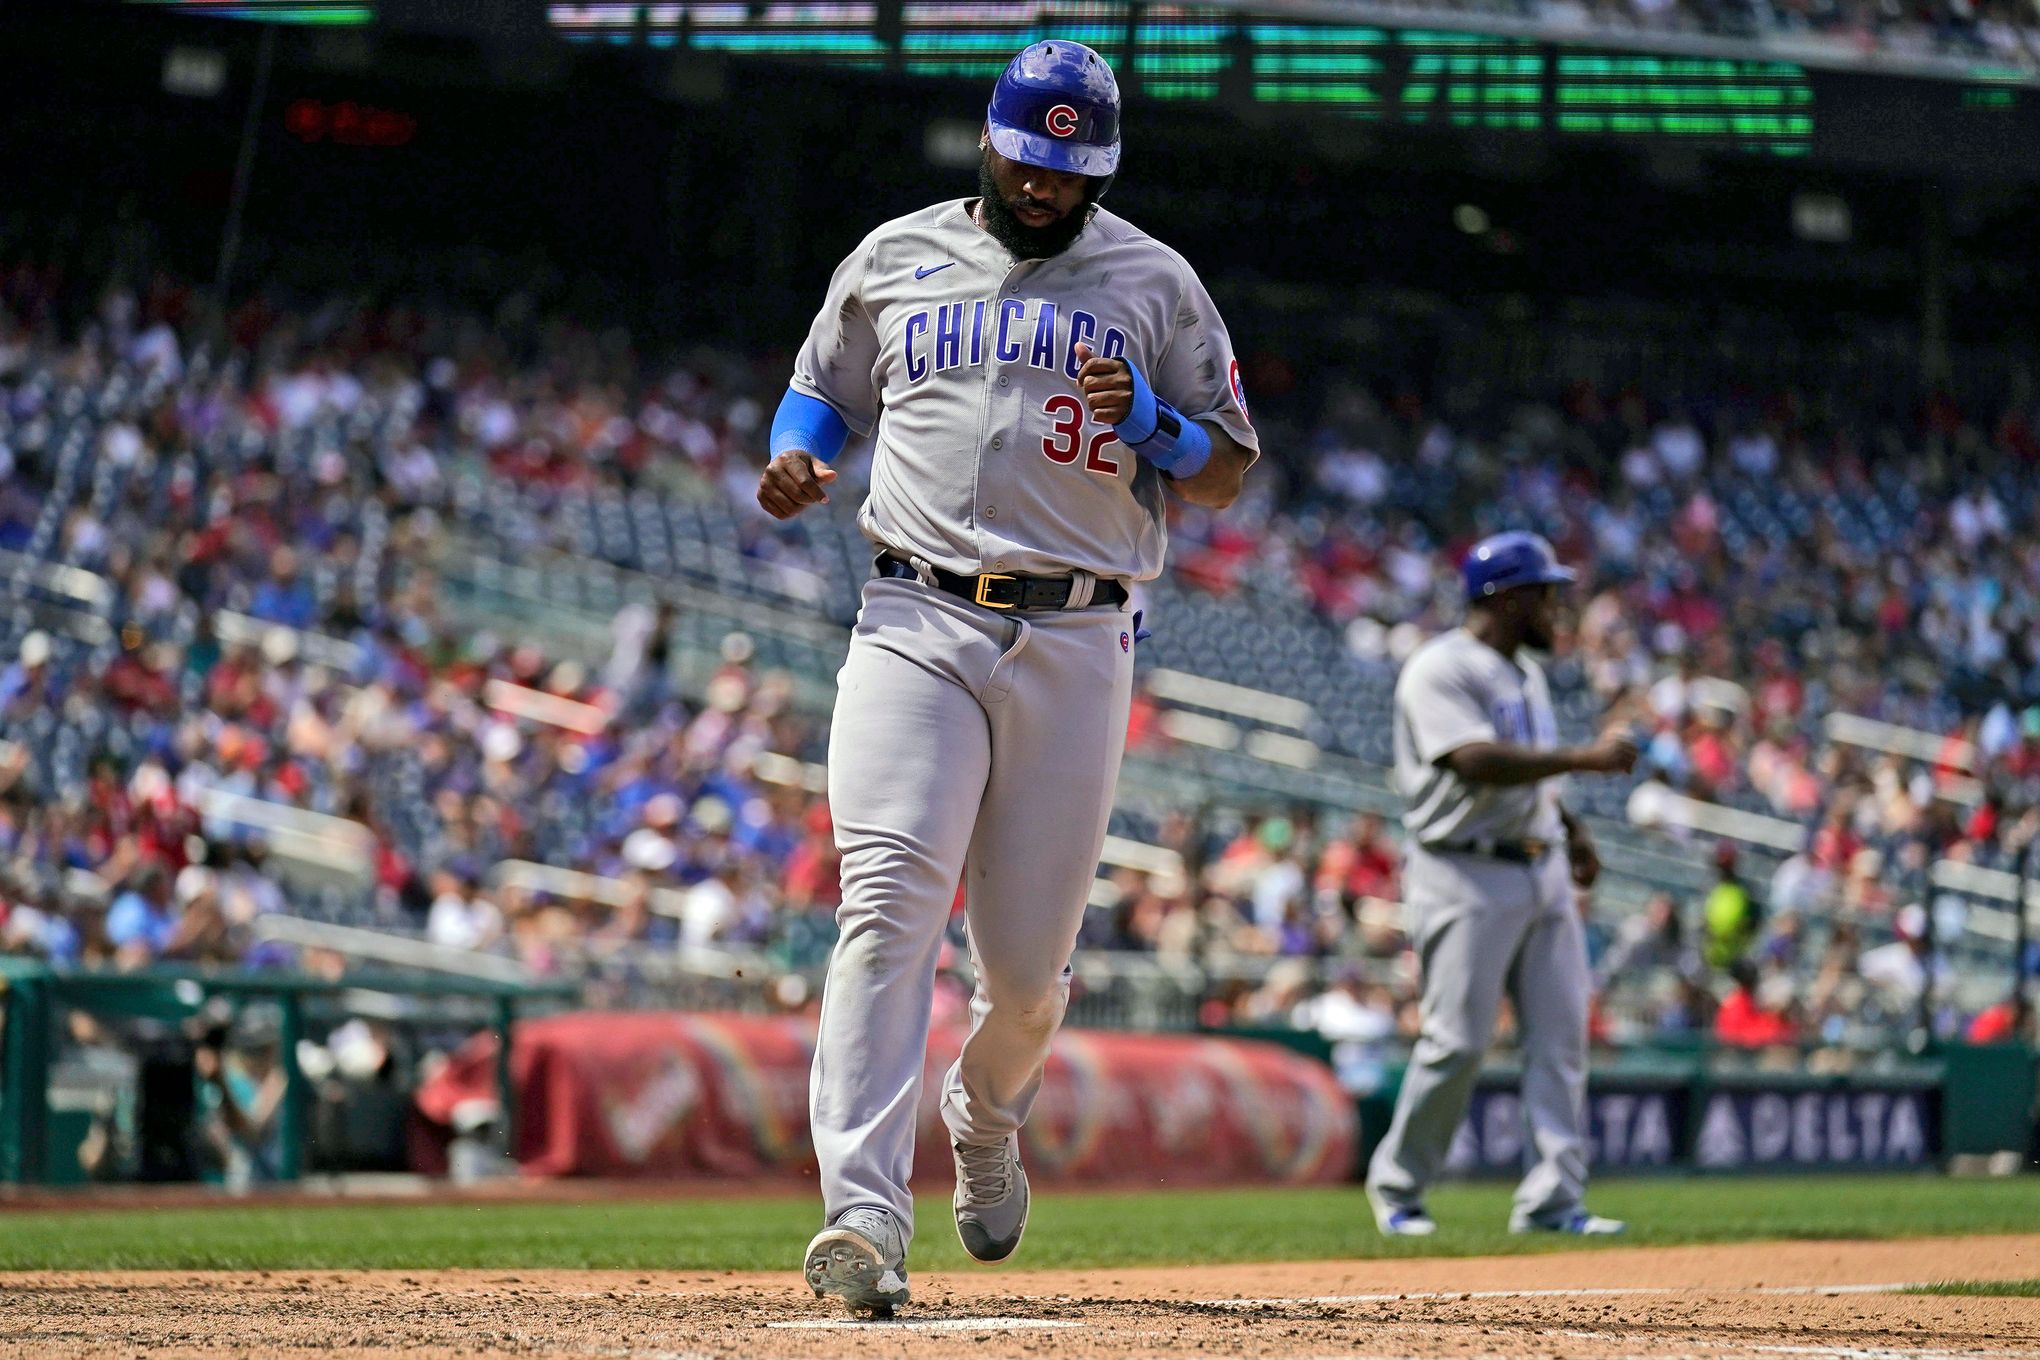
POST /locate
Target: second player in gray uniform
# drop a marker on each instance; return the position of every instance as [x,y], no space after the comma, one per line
[1493,860]
[1036,371]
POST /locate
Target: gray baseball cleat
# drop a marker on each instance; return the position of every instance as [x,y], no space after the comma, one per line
[991,1198]
[861,1259]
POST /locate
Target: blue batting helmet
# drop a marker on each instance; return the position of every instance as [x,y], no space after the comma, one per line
[1502,562]
[1057,105]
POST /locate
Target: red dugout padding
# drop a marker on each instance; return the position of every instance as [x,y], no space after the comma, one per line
[671,1095]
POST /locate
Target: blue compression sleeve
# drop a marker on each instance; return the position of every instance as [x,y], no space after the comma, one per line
[1160,433]
[1139,424]
[805,422]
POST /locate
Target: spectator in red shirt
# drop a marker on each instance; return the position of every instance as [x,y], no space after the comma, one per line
[1713,754]
[139,677]
[1745,1020]
[2006,1022]
[814,869]
[1835,845]
[1359,865]
[1778,692]
[1957,754]
[1143,719]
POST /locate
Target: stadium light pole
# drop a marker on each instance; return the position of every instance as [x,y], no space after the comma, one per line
[244,169]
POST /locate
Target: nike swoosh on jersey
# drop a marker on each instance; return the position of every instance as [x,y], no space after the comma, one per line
[925,270]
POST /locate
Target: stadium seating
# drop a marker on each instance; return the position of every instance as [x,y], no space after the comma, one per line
[353,553]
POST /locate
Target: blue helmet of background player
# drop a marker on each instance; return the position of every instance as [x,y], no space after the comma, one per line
[1057,105]
[1502,562]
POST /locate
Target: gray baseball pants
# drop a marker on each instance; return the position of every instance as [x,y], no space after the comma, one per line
[1481,927]
[968,745]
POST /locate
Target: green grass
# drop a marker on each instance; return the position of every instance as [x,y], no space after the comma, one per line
[1068,1229]
[2003,1289]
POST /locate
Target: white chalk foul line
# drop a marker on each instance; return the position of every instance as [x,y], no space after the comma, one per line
[1716,1350]
[1604,1293]
[997,1324]
[1823,1352]
[1885,1353]
[1436,1294]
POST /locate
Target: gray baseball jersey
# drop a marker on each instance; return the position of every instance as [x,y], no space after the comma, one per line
[965,360]
[1455,691]
[1484,927]
[970,744]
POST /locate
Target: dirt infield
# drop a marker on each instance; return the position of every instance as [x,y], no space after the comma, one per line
[1809,1300]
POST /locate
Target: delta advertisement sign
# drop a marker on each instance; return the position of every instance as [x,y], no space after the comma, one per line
[1742,1128]
[1859,1128]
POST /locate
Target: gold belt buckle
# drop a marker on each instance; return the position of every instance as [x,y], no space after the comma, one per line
[1536,849]
[984,583]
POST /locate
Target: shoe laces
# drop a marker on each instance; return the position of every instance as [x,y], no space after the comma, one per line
[987,1171]
[877,1226]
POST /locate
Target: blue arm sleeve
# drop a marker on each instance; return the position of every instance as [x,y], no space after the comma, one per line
[805,422]
[1160,433]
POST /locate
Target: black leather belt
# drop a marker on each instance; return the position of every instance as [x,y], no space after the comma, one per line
[1005,592]
[1509,852]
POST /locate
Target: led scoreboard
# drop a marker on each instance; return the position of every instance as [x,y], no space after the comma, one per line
[1415,78]
[1411,77]
[1191,52]
[274,11]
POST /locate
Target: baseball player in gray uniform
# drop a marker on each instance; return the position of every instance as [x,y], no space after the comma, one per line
[1490,895]
[1036,370]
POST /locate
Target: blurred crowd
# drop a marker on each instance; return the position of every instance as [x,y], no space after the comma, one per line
[1999,30]
[1751,564]
[295,484]
[264,512]
[1321,913]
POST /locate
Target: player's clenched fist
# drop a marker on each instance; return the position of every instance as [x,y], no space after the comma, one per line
[1107,385]
[792,482]
[1614,752]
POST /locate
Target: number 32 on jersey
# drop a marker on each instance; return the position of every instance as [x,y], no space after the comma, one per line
[1065,438]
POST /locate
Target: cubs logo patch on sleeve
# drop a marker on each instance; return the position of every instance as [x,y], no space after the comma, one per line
[1239,390]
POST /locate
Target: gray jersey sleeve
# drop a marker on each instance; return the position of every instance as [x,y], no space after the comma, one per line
[1198,373]
[841,350]
[1444,705]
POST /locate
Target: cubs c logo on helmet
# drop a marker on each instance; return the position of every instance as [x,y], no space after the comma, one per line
[1056,105]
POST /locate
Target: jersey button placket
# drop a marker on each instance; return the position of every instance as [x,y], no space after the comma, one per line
[1003,416]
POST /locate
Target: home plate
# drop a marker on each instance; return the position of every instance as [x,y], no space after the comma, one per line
[928,1324]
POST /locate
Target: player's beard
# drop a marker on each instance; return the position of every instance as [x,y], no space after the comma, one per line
[1025,242]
